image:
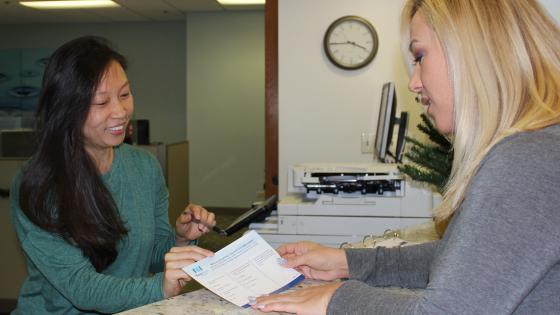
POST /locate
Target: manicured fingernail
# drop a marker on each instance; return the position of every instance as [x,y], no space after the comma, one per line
[281,261]
[261,306]
[252,300]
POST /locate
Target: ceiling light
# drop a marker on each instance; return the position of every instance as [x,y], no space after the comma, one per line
[77,4]
[241,2]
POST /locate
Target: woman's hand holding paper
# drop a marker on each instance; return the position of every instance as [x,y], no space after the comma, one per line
[174,278]
[315,261]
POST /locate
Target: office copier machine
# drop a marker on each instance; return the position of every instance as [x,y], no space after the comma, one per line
[333,203]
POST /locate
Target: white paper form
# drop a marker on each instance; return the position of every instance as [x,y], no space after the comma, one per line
[248,267]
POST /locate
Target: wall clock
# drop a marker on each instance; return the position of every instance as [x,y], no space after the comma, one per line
[350,42]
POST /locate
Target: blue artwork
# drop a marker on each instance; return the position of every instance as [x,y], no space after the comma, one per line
[21,72]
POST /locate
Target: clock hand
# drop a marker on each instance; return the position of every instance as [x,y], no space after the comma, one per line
[358,45]
[348,42]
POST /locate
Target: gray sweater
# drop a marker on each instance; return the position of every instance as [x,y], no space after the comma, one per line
[499,255]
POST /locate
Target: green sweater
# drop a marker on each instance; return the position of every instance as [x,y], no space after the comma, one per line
[62,281]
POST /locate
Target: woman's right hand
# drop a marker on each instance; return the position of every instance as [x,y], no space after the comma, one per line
[315,261]
[174,278]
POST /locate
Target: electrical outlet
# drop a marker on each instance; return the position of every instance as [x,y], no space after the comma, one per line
[367,142]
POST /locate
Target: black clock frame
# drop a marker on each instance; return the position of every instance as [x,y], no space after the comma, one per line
[358,19]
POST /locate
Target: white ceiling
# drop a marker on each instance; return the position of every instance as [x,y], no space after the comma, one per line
[11,12]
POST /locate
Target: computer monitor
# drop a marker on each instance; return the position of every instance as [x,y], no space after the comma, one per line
[385,125]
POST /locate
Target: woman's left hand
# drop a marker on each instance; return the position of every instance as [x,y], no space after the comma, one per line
[193,223]
[174,278]
[312,301]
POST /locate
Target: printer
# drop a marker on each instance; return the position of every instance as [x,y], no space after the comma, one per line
[333,203]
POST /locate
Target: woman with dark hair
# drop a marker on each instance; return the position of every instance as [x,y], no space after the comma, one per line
[90,211]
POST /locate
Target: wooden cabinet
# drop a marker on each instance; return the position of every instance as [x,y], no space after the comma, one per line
[174,160]
[177,170]
[12,264]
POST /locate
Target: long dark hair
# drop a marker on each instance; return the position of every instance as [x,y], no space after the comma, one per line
[61,188]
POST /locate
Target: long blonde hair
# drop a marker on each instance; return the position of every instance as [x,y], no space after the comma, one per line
[503,58]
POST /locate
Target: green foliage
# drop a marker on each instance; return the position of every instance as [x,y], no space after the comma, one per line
[431,162]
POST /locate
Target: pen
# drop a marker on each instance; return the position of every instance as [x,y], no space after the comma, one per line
[214,228]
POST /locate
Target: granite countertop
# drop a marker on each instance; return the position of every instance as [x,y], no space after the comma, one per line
[202,302]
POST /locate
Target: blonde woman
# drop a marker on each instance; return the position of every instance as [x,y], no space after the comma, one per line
[488,72]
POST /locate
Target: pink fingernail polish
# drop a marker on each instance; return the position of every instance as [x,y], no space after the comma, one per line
[252,300]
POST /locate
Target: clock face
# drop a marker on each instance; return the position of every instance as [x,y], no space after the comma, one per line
[350,42]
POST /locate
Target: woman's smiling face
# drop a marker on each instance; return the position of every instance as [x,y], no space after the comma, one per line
[430,76]
[110,110]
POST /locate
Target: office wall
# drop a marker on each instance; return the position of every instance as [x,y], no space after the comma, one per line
[225,107]
[156,55]
[322,109]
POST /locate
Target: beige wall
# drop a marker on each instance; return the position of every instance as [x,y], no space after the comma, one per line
[323,110]
[225,107]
